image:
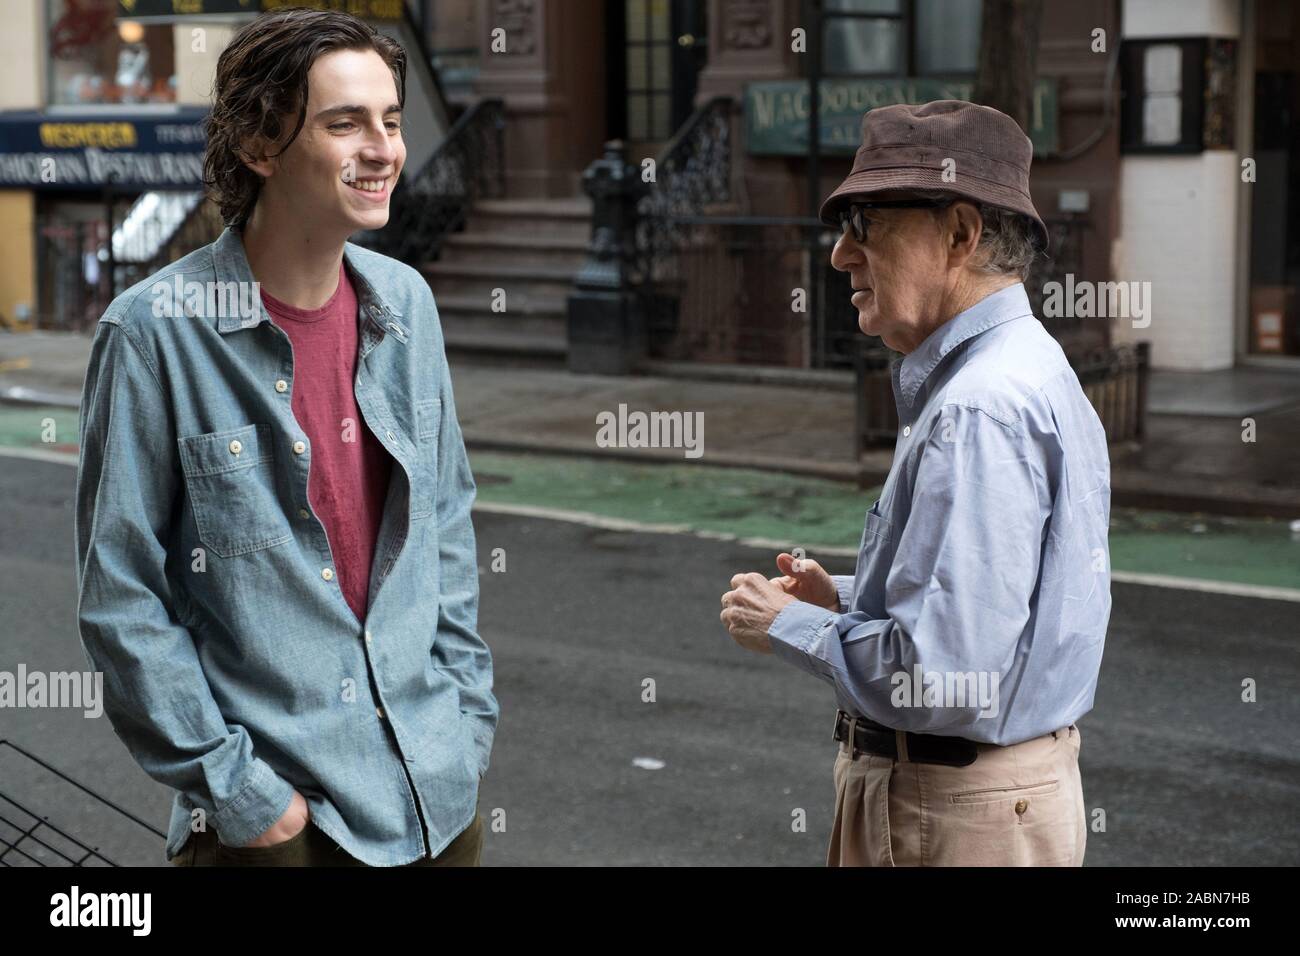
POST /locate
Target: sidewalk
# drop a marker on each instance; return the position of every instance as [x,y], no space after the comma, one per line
[1194,458]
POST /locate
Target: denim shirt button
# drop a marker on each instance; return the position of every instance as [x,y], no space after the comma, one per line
[369,639]
[327,574]
[236,447]
[304,513]
[281,385]
[389,434]
[380,712]
[907,430]
[299,448]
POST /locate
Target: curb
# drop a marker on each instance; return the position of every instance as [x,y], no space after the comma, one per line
[832,470]
[1128,489]
[21,395]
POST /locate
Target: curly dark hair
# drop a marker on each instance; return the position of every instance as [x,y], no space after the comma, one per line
[262,80]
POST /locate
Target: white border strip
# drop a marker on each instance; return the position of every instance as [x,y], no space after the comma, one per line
[624,524]
[1210,587]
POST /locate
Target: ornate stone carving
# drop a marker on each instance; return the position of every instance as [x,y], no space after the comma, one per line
[746,24]
[519,19]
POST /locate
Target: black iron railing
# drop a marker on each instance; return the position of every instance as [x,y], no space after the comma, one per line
[692,172]
[728,293]
[1115,381]
[468,165]
[157,229]
[1064,258]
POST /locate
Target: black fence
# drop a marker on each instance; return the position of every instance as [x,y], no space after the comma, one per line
[741,289]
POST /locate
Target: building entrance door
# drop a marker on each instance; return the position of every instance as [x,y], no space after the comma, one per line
[654,69]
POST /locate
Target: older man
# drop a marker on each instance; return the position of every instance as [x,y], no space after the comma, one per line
[968,642]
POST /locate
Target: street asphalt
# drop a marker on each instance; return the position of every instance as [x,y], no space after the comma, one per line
[735,745]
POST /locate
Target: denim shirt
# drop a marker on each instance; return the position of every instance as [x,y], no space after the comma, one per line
[986,558]
[234,669]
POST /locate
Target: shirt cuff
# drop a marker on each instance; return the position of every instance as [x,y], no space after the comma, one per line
[844,587]
[261,802]
[798,633]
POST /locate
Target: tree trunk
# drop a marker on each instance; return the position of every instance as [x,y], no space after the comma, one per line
[1008,62]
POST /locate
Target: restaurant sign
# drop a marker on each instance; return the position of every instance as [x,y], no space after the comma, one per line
[776,112]
[40,150]
[173,10]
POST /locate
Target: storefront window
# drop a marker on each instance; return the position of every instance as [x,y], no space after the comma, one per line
[96,59]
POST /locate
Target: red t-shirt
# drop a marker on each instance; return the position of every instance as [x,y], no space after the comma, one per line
[348,478]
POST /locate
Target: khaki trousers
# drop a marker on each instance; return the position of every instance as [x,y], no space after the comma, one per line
[1020,805]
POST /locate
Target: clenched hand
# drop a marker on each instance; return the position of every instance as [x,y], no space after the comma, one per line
[749,609]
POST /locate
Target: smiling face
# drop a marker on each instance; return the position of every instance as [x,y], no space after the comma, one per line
[337,176]
[902,272]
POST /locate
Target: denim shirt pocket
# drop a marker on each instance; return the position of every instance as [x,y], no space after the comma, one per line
[428,419]
[230,480]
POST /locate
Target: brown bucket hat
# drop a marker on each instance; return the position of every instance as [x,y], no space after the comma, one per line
[904,147]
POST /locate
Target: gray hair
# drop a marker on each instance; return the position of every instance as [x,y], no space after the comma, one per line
[1007,240]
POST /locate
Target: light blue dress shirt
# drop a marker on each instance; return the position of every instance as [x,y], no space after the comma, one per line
[985,564]
[234,669]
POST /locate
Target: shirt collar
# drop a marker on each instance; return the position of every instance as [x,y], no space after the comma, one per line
[912,370]
[232,265]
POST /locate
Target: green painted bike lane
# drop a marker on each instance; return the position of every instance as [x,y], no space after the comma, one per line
[810,513]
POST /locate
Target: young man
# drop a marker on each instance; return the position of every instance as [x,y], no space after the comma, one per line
[277,568]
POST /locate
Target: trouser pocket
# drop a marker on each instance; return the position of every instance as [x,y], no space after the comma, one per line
[291,852]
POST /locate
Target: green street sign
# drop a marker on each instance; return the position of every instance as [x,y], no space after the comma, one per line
[776,112]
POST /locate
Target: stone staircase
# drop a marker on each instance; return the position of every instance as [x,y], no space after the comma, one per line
[530,249]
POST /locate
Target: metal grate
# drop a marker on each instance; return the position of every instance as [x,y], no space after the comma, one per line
[28,838]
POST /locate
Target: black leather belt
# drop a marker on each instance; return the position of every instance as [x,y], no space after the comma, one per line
[870,737]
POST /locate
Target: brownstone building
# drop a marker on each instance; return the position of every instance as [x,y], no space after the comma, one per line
[1167,143]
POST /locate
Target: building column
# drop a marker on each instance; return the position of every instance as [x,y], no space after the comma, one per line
[22,87]
[1178,217]
[551,76]
[749,42]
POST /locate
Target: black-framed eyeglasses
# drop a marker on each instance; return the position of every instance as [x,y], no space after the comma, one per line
[852,216]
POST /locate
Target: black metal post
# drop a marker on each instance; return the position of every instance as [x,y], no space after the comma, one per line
[606,322]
